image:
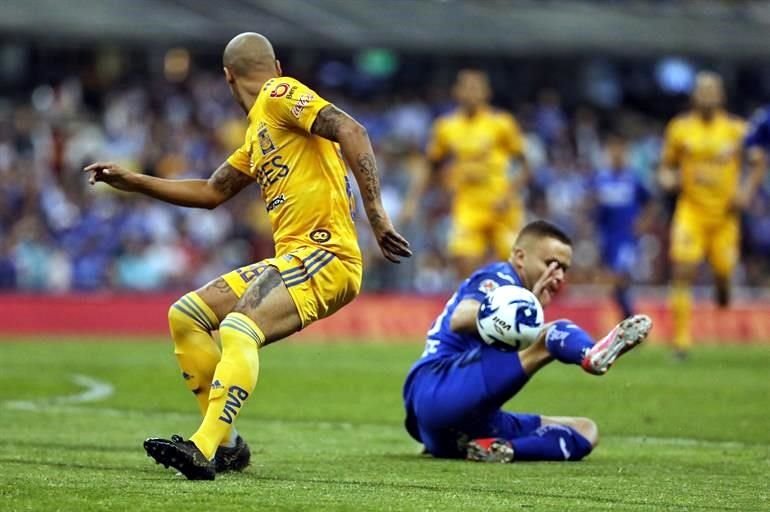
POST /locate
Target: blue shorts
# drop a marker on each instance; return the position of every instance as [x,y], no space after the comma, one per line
[452,399]
[619,256]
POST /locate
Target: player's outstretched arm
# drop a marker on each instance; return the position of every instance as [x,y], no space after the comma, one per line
[333,124]
[221,186]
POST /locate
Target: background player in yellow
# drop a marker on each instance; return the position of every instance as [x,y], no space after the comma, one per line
[701,163]
[294,149]
[477,143]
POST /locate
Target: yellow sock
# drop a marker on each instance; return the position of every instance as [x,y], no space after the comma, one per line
[234,380]
[191,322]
[681,309]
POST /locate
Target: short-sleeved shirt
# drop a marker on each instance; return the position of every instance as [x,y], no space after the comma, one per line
[303,177]
[620,197]
[479,149]
[442,341]
[708,156]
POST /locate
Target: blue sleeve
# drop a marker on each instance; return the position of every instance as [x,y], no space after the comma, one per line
[484,282]
[759,131]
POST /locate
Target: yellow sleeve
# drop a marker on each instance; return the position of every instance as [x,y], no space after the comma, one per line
[671,145]
[241,157]
[291,104]
[513,141]
[742,127]
[437,148]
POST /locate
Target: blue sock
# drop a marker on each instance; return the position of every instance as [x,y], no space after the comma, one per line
[623,299]
[567,342]
[551,442]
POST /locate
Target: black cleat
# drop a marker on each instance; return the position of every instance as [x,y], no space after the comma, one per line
[236,458]
[181,455]
[722,296]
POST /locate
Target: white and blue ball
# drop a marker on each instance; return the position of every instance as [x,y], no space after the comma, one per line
[510,317]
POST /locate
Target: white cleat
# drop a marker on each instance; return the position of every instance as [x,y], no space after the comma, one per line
[625,336]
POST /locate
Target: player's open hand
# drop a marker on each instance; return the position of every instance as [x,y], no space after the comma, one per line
[668,180]
[392,244]
[740,203]
[111,174]
[548,283]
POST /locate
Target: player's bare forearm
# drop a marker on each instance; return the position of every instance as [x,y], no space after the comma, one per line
[223,184]
[190,193]
[333,124]
[464,316]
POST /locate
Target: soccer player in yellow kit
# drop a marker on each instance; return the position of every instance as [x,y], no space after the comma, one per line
[478,143]
[295,148]
[701,162]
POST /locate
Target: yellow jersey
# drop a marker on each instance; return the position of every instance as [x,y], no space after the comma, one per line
[302,177]
[480,148]
[708,157]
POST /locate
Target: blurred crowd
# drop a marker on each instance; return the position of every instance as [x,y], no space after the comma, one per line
[57,233]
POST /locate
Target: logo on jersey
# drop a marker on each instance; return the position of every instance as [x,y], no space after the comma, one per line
[290,96]
[271,171]
[302,102]
[280,90]
[320,236]
[265,142]
[487,286]
[275,203]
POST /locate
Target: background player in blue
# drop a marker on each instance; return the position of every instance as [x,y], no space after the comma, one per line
[619,200]
[757,145]
[454,392]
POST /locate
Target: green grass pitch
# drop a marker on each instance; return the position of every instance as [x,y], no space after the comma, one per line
[325,427]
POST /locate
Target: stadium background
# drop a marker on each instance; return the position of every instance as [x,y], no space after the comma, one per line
[103,80]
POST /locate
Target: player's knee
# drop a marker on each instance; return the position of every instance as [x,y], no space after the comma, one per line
[587,428]
[584,438]
[186,314]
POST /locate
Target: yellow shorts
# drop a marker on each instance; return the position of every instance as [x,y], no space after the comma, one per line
[474,233]
[694,238]
[319,282]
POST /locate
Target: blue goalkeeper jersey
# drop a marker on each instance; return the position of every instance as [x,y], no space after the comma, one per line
[442,341]
[758,134]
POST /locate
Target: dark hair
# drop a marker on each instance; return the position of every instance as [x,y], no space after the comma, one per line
[542,229]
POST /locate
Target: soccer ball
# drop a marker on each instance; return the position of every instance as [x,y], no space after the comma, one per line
[510,317]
